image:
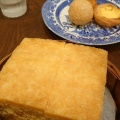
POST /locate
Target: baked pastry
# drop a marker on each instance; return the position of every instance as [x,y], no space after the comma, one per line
[80,12]
[93,2]
[48,79]
[107,15]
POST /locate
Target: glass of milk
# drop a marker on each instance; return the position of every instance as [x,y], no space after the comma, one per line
[13,8]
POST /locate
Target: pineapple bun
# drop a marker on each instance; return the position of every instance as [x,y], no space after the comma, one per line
[80,12]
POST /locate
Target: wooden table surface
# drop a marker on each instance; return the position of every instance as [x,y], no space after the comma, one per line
[12,31]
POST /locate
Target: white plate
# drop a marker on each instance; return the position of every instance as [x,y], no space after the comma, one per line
[55,16]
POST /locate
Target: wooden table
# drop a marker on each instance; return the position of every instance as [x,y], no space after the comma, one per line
[12,31]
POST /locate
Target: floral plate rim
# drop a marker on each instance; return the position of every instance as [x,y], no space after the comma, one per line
[51,14]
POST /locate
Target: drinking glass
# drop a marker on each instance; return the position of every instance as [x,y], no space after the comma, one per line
[13,8]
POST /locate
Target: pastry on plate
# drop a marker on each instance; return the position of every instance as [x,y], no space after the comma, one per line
[107,15]
[93,2]
[80,12]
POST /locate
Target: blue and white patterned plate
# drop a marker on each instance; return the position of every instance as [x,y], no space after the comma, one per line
[55,16]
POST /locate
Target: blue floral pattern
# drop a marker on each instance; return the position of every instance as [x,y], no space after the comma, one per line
[55,16]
